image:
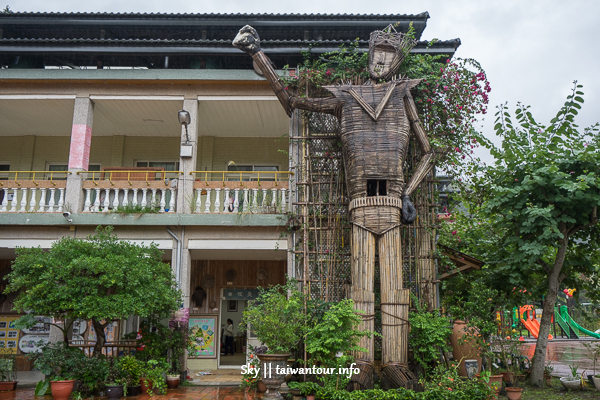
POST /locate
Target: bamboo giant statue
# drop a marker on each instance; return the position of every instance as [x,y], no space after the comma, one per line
[375,120]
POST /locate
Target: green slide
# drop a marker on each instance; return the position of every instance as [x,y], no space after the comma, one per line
[574,325]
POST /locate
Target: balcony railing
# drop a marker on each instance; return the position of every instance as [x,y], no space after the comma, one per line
[130,190]
[241,192]
[33,191]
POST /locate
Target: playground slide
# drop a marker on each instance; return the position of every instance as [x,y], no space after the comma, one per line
[567,330]
[530,325]
[574,325]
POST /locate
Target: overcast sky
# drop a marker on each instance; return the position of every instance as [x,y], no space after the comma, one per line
[532,50]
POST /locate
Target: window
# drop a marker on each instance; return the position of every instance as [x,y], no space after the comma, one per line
[252,168]
[376,187]
[167,165]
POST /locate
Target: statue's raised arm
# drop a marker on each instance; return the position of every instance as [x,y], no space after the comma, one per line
[248,41]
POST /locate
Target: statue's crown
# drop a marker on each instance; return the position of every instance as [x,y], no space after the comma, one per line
[401,42]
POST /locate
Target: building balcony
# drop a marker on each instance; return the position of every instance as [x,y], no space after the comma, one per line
[33,191]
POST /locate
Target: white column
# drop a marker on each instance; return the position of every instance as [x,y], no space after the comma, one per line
[23,200]
[245,206]
[236,200]
[88,200]
[42,204]
[106,204]
[217,200]
[198,200]
[13,203]
[32,205]
[134,198]
[144,200]
[162,200]
[226,201]
[51,201]
[125,202]
[61,199]
[207,203]
[172,201]
[283,200]
[254,200]
[116,199]
[153,200]
[96,207]
[274,199]
[263,204]
[4,200]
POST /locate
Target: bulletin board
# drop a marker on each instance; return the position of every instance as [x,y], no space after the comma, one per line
[9,335]
[203,341]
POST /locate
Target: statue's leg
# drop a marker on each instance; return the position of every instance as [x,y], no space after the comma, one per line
[394,313]
[363,277]
[426,269]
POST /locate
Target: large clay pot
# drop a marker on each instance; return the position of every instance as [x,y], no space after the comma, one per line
[261,387]
[496,382]
[467,350]
[114,392]
[514,393]
[173,381]
[134,390]
[4,386]
[61,390]
[268,368]
[145,385]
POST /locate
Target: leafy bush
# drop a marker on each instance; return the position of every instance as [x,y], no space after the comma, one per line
[58,361]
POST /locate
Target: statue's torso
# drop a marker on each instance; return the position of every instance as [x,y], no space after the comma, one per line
[373,149]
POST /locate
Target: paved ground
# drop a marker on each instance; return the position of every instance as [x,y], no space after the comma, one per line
[187,393]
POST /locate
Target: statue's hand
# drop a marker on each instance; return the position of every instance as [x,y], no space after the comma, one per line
[409,214]
[247,40]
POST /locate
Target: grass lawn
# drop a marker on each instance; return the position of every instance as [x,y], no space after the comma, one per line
[557,392]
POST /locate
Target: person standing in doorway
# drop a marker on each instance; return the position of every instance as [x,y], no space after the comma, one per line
[229,337]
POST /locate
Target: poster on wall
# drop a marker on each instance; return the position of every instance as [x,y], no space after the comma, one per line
[8,331]
[203,336]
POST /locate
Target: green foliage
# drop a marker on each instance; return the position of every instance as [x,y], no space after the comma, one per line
[277,321]
[132,370]
[250,378]
[429,333]
[92,375]
[305,388]
[99,278]
[58,361]
[42,387]
[154,371]
[8,365]
[137,209]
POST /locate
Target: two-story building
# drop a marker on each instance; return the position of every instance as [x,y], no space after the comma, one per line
[90,135]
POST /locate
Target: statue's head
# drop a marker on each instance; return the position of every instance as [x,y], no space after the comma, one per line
[387,50]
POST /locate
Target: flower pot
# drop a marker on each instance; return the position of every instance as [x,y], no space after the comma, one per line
[134,390]
[507,376]
[596,380]
[6,386]
[467,350]
[261,387]
[61,390]
[472,367]
[514,393]
[495,383]
[310,397]
[145,385]
[173,381]
[272,380]
[548,380]
[114,392]
[569,383]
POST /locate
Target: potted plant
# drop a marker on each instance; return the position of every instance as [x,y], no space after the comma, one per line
[8,370]
[593,353]
[572,382]
[548,369]
[279,323]
[116,380]
[61,365]
[132,371]
[306,389]
[153,377]
[251,373]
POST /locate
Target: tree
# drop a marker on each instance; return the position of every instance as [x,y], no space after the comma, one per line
[538,206]
[100,278]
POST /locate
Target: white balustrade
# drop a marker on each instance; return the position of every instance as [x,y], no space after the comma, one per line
[253,200]
[30,200]
[116,198]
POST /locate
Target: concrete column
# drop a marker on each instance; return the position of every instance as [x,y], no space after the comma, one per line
[79,152]
[185,187]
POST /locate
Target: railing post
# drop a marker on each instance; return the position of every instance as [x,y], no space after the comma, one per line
[106,204]
[217,200]
[134,201]
[254,200]
[172,201]
[236,200]
[116,199]
[144,200]
[198,207]
[13,203]
[274,199]
[226,201]
[245,206]
[125,201]
[51,201]
[283,200]
[42,204]
[23,200]
[97,201]
[4,200]
[88,200]
[163,200]
[264,200]
[207,203]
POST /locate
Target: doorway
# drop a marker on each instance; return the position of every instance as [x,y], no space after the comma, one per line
[233,310]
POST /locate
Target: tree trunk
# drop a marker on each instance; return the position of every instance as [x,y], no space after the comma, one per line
[100,337]
[554,280]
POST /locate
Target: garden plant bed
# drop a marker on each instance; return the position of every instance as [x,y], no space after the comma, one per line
[557,392]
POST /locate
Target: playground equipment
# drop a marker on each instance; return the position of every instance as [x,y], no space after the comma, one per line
[530,322]
[575,327]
